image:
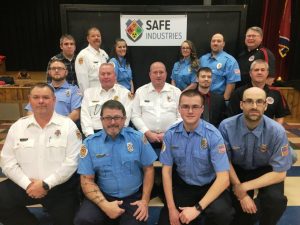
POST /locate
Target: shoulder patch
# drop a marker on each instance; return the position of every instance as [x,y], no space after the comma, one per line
[285,150]
[78,134]
[83,151]
[80,60]
[221,148]
[130,95]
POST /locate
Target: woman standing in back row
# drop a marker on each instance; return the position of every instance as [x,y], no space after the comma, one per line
[184,71]
[119,58]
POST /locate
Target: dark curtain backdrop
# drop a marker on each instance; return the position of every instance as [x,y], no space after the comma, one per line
[30,30]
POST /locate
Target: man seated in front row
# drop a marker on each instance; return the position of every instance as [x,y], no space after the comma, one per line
[39,158]
[194,151]
[260,156]
[116,172]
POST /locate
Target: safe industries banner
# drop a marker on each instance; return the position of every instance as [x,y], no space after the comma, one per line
[153,30]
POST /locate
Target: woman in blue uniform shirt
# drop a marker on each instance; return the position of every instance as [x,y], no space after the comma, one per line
[119,58]
[184,71]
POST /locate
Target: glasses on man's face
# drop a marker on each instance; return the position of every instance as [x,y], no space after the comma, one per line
[111,118]
[258,102]
[57,68]
[191,107]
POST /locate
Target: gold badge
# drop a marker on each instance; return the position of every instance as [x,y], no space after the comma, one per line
[78,134]
[83,151]
[116,98]
[219,66]
[203,143]
[80,61]
[130,147]
[57,133]
[263,148]
[68,93]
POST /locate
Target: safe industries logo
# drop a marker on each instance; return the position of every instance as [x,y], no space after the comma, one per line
[134,29]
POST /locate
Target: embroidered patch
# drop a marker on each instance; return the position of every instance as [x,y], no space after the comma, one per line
[285,150]
[221,149]
[251,58]
[78,134]
[237,71]
[80,61]
[83,151]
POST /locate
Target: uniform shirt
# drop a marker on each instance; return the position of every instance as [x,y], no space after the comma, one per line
[70,64]
[266,145]
[49,153]
[68,98]
[116,163]
[155,111]
[183,74]
[246,58]
[87,66]
[225,70]
[277,106]
[123,72]
[198,155]
[92,102]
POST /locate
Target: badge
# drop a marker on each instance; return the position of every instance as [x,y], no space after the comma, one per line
[68,93]
[116,98]
[285,150]
[270,100]
[80,61]
[163,147]
[263,148]
[169,98]
[145,140]
[57,133]
[130,95]
[130,147]
[251,58]
[78,134]
[221,149]
[219,66]
[203,143]
[83,151]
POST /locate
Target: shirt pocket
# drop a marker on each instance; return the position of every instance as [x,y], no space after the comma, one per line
[178,157]
[201,163]
[169,106]
[103,165]
[94,109]
[130,164]
[56,149]
[238,155]
[147,105]
[24,151]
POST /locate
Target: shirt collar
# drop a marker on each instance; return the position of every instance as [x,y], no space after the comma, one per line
[65,85]
[55,119]
[94,50]
[244,130]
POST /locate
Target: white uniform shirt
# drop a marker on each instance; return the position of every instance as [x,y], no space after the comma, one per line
[92,102]
[155,111]
[87,65]
[49,153]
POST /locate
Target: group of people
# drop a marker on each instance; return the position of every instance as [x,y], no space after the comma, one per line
[211,166]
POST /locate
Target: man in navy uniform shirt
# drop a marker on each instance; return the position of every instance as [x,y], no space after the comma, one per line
[260,156]
[194,150]
[116,172]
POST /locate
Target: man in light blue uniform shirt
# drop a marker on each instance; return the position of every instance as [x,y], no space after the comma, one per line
[123,72]
[260,156]
[225,69]
[68,96]
[116,172]
[194,151]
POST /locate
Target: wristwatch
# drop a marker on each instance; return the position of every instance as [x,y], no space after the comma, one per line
[46,186]
[198,207]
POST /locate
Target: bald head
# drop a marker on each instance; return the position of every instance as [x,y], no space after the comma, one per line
[254,91]
[217,43]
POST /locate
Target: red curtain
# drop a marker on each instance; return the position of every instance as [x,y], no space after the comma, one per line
[271,18]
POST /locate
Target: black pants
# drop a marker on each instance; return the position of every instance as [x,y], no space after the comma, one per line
[270,201]
[219,212]
[61,203]
[91,214]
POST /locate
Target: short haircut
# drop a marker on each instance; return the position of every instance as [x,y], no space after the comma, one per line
[53,60]
[191,93]
[42,85]
[113,104]
[90,29]
[205,69]
[66,36]
[257,29]
[259,61]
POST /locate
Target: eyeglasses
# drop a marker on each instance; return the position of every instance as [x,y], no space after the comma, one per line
[252,36]
[57,68]
[258,102]
[191,107]
[110,118]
